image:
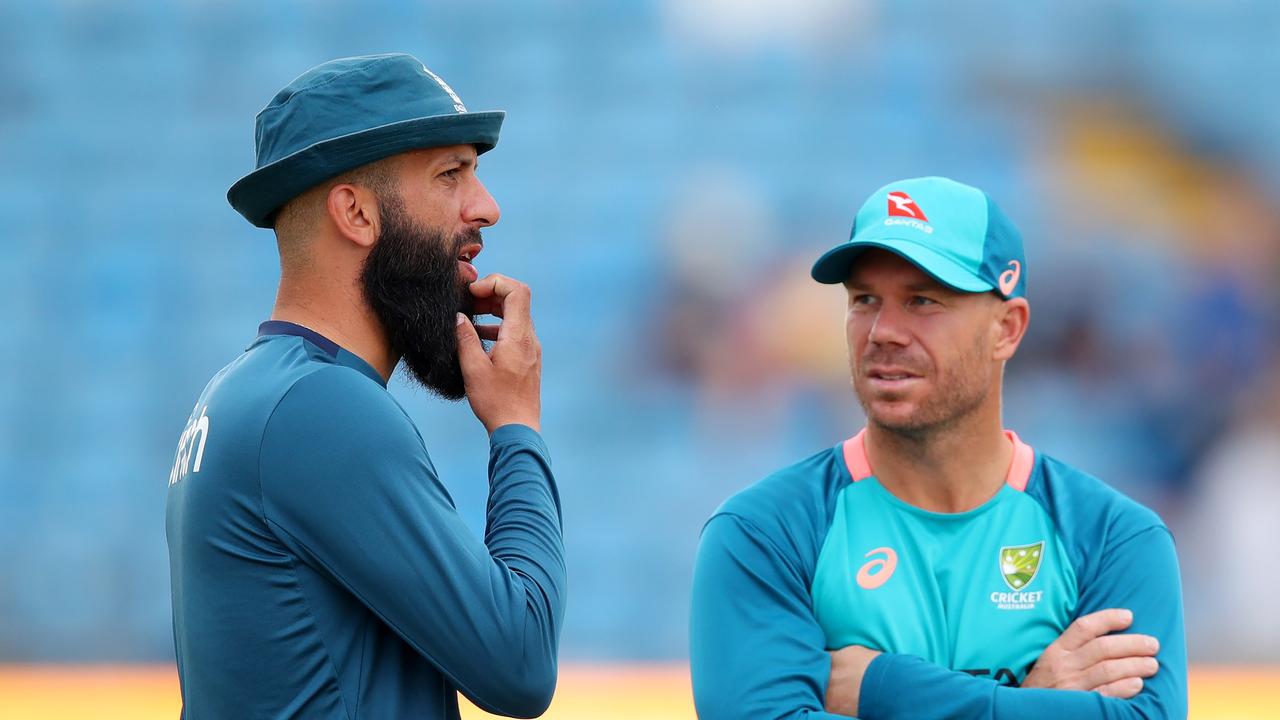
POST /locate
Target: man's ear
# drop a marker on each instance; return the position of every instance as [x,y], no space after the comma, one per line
[353,210]
[1011,319]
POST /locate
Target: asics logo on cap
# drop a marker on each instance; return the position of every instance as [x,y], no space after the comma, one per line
[901,205]
[1009,278]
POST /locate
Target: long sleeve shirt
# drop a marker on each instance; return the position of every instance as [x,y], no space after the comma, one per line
[319,568]
[820,556]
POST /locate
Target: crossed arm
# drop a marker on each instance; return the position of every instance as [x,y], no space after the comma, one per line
[758,652]
[1087,656]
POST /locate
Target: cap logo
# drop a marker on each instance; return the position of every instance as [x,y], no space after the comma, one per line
[901,205]
[1009,278]
[457,101]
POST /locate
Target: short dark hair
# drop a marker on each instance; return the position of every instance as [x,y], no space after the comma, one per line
[295,222]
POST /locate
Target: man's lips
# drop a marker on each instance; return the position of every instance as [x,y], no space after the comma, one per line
[469,251]
[468,271]
[465,256]
[890,373]
[890,377]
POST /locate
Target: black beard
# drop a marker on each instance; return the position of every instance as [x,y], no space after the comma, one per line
[411,281]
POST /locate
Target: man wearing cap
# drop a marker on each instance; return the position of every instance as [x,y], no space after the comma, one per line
[319,568]
[934,565]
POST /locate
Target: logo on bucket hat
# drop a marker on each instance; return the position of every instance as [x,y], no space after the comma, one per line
[970,245]
[457,101]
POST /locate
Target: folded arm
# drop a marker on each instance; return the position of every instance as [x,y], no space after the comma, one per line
[1139,573]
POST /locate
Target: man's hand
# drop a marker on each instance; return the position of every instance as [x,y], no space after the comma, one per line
[1087,657]
[848,665]
[504,384]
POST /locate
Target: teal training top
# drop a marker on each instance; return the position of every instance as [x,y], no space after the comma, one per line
[820,556]
[319,568]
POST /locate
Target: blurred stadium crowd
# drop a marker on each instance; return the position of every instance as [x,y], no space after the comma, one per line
[667,173]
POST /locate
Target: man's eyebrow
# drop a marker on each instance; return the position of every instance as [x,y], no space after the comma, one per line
[460,159]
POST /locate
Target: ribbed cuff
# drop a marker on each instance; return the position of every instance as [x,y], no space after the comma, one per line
[516,433]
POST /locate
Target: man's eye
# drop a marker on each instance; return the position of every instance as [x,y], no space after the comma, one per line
[863,299]
[450,173]
[922,300]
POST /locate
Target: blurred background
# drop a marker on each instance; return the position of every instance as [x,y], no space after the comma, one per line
[667,173]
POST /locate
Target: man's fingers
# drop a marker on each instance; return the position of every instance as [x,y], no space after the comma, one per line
[515,311]
[1110,647]
[1094,625]
[502,296]
[1111,671]
[1122,689]
[470,352]
[490,285]
[488,332]
[487,306]
[494,286]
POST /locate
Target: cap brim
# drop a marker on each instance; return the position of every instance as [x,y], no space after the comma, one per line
[834,265]
[259,194]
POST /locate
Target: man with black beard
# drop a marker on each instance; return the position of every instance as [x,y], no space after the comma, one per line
[411,281]
[319,568]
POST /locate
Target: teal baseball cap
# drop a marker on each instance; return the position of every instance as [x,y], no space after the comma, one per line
[953,232]
[346,113]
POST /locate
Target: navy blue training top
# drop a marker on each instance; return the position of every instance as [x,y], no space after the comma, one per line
[320,569]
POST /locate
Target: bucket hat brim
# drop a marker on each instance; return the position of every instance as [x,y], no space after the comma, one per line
[258,195]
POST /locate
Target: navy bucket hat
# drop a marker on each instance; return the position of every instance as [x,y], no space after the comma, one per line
[346,113]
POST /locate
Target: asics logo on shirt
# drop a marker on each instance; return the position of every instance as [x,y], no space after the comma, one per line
[877,572]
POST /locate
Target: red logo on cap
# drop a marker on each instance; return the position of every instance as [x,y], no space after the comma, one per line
[901,205]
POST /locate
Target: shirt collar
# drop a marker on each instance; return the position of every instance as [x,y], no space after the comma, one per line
[329,347]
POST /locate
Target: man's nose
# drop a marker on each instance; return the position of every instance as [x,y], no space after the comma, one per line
[889,327]
[480,210]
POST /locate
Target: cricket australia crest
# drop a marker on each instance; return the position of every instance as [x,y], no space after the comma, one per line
[1020,563]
